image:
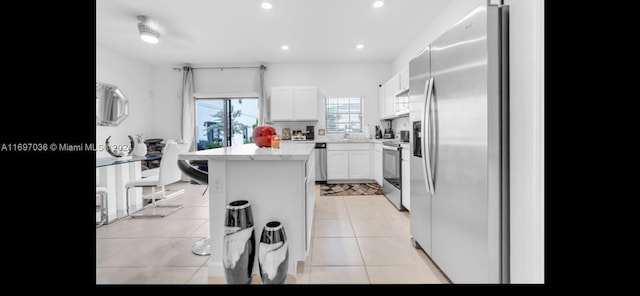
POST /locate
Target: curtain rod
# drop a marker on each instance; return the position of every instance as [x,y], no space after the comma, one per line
[222,68]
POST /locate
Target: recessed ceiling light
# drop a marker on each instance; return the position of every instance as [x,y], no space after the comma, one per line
[266,5]
[378,4]
[285,47]
[360,46]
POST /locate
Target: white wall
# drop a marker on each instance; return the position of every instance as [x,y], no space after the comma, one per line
[400,124]
[167,89]
[133,79]
[333,79]
[167,102]
[450,15]
[526,109]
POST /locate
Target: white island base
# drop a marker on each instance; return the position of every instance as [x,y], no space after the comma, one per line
[278,183]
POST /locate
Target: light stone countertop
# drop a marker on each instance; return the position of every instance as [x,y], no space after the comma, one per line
[356,140]
[252,152]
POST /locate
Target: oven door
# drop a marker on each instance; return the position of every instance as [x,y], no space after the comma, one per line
[391,165]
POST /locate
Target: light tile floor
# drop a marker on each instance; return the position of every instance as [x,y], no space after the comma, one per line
[356,240]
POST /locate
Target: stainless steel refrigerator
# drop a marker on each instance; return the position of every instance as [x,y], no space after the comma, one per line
[459,148]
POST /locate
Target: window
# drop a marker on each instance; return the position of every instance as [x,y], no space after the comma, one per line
[344,114]
[225,122]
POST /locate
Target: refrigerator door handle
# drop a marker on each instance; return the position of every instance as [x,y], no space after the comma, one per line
[426,139]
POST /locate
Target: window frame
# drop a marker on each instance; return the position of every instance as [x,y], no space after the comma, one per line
[349,113]
[226,99]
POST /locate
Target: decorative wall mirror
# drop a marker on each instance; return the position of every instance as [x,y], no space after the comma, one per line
[112,107]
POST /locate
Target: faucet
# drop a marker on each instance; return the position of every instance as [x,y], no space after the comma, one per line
[346,134]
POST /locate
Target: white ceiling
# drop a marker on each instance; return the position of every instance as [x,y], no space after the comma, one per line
[226,32]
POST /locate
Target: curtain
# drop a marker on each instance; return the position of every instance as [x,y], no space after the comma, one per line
[263,97]
[188,108]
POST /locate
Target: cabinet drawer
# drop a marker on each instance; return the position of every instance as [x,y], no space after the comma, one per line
[348,146]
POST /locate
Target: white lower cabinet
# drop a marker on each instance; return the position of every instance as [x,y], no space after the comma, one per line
[310,200]
[359,167]
[348,161]
[337,165]
[377,163]
[406,179]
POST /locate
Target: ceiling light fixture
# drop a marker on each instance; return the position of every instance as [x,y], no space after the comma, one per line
[285,47]
[149,29]
[378,4]
[360,46]
[266,5]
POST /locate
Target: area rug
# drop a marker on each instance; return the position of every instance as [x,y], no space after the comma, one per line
[350,189]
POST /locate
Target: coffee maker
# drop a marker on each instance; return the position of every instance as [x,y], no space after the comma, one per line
[388,132]
[310,129]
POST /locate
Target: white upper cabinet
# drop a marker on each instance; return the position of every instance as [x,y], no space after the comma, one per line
[294,103]
[281,103]
[404,78]
[391,105]
[381,102]
[390,89]
[305,106]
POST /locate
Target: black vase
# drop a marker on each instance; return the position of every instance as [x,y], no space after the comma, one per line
[239,243]
[273,254]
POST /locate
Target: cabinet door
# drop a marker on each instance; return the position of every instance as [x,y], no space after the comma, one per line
[306,103]
[406,181]
[310,194]
[381,100]
[377,164]
[391,87]
[337,165]
[404,78]
[282,103]
[359,167]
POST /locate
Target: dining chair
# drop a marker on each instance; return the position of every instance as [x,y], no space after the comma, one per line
[168,173]
[104,218]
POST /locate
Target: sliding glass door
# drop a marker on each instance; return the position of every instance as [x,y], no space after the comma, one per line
[224,122]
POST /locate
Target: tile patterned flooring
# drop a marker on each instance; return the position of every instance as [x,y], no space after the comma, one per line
[356,240]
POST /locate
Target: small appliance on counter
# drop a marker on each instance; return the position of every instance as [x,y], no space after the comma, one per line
[388,132]
[310,132]
[298,136]
[404,136]
[378,132]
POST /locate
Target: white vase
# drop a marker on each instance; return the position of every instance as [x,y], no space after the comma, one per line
[140,149]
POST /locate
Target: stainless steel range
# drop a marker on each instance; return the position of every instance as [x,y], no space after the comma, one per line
[392,172]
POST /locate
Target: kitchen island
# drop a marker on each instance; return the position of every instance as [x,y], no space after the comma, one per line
[278,183]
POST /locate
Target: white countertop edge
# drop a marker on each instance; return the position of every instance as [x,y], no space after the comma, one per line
[243,157]
[251,152]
